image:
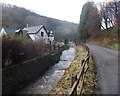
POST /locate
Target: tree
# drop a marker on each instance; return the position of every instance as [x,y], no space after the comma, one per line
[93,24]
[89,21]
[109,14]
[83,18]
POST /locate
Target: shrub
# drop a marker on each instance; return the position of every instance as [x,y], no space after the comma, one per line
[66,41]
[18,49]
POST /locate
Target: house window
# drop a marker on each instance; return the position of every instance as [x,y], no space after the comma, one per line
[42,34]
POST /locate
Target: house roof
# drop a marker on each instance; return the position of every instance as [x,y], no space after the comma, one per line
[24,32]
[9,30]
[33,29]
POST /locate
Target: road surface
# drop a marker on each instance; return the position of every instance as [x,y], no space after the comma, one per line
[106,61]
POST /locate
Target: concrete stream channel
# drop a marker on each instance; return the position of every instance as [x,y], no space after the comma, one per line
[48,81]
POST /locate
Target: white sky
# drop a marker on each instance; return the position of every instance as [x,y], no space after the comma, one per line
[68,10]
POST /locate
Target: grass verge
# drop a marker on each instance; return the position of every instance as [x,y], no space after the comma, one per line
[64,85]
[114,46]
[107,38]
[90,79]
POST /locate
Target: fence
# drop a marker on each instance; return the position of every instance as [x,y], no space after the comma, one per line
[79,78]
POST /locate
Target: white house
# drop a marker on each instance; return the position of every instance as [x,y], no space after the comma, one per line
[38,33]
[5,31]
[2,32]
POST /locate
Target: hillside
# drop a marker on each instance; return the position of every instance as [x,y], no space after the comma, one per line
[17,17]
[108,38]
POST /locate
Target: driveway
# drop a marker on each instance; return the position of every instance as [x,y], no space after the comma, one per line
[106,61]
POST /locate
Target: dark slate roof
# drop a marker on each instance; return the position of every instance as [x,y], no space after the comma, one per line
[9,30]
[24,32]
[33,29]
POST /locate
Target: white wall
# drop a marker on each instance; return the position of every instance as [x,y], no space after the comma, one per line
[2,32]
[32,36]
[38,36]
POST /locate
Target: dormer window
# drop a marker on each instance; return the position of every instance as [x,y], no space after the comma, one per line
[42,34]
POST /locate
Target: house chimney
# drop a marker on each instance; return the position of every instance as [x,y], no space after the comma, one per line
[26,25]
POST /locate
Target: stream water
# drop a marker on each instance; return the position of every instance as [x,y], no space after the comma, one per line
[48,81]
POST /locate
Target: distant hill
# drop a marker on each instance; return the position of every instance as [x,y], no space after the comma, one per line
[17,17]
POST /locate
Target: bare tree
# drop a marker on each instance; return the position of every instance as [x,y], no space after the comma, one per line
[109,14]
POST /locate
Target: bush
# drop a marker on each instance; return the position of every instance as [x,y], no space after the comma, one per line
[16,78]
[66,41]
[18,49]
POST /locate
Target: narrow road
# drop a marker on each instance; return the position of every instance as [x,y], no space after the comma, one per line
[106,61]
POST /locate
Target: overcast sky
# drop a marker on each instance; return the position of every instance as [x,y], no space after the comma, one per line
[68,10]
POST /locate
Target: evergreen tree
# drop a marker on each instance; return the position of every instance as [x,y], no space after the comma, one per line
[89,21]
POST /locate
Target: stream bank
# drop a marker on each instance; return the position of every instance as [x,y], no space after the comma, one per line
[48,81]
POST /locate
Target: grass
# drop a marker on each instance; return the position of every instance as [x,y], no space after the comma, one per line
[64,85]
[90,79]
[107,38]
[114,46]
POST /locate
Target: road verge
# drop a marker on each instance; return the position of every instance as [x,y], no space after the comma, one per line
[64,85]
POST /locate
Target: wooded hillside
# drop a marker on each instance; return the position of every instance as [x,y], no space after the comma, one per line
[17,17]
[100,23]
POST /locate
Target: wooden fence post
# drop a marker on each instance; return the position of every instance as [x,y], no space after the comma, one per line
[88,53]
[83,61]
[74,78]
[81,75]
